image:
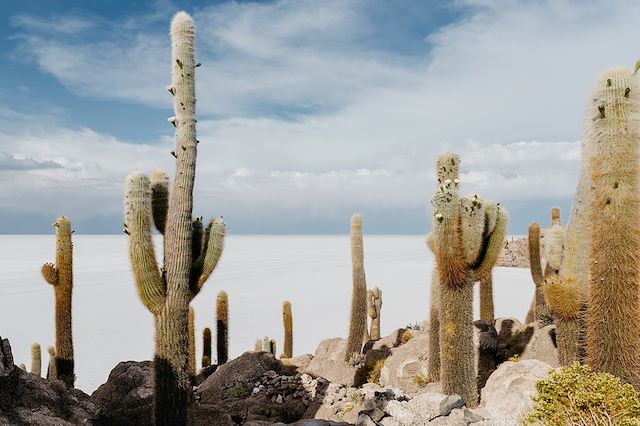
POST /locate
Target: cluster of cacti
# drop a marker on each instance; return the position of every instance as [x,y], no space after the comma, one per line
[554,248]
[222,327]
[287,320]
[358,318]
[206,347]
[266,345]
[36,359]
[374,308]
[60,276]
[613,213]
[190,256]
[468,235]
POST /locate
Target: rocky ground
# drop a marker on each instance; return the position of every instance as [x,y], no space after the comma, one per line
[388,388]
[516,252]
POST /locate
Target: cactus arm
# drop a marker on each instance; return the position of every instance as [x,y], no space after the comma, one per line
[197,238]
[50,273]
[534,254]
[493,247]
[151,287]
[204,266]
[473,219]
[159,198]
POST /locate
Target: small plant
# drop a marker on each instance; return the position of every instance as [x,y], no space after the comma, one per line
[514,358]
[405,337]
[374,373]
[420,380]
[356,360]
[575,395]
[239,390]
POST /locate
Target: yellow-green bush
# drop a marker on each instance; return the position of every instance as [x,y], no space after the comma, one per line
[575,395]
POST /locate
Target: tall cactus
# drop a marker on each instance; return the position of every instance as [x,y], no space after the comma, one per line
[467,242]
[60,276]
[36,359]
[206,347]
[222,327]
[167,292]
[374,308]
[358,321]
[613,320]
[287,319]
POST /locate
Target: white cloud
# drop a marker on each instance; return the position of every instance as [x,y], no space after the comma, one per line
[300,115]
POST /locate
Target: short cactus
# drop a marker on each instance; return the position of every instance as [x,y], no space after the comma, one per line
[272,347]
[167,292]
[266,344]
[36,359]
[60,276]
[222,327]
[374,308]
[613,212]
[467,243]
[358,322]
[257,347]
[287,320]
[51,369]
[206,347]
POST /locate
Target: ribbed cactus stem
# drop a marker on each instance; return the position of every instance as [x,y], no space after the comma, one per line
[60,276]
[51,369]
[486,299]
[465,252]
[266,344]
[434,329]
[374,308]
[222,327]
[36,359]
[191,327]
[613,333]
[287,319]
[257,347]
[159,182]
[206,347]
[358,321]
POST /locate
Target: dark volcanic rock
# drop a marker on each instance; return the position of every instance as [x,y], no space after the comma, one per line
[127,396]
[26,399]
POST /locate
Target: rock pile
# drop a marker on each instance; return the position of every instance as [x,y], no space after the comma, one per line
[281,388]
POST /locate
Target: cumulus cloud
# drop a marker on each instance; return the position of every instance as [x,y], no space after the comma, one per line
[301,114]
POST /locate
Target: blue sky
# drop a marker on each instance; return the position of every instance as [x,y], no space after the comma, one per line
[307,110]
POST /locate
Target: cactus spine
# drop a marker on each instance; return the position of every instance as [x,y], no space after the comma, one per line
[51,368]
[206,347]
[467,243]
[358,322]
[222,327]
[287,319]
[374,308]
[60,276]
[36,359]
[613,321]
[168,292]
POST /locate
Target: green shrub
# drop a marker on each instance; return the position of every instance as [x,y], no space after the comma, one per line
[575,395]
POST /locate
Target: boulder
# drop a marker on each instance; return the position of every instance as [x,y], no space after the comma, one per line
[27,399]
[508,391]
[328,362]
[417,411]
[300,362]
[406,362]
[226,382]
[127,396]
[542,346]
